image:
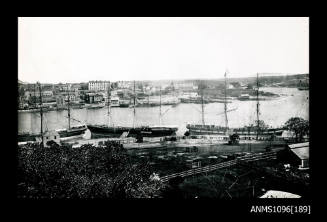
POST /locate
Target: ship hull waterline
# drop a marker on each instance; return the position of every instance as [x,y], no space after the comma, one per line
[114,132]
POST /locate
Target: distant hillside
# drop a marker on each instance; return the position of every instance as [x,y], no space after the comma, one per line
[285,79]
[21,82]
[266,79]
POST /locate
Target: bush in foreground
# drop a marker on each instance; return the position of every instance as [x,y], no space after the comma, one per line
[86,172]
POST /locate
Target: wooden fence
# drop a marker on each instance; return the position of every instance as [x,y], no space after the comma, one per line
[247,158]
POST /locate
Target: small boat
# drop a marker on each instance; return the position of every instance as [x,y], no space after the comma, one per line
[123,104]
[96,106]
[114,102]
[78,130]
[244,97]
[303,88]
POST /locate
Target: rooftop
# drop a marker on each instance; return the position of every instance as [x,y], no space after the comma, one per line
[279,194]
[300,149]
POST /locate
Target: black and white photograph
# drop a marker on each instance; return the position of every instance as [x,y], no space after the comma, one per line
[164,108]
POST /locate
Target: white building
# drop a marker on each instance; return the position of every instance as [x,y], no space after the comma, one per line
[72,97]
[36,93]
[185,85]
[124,84]
[51,136]
[99,85]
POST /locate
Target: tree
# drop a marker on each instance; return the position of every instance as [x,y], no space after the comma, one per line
[86,172]
[187,133]
[299,126]
[262,125]
[234,139]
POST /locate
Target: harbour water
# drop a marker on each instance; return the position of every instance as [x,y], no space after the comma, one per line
[292,102]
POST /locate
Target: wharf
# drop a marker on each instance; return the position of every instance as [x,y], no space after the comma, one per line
[158,142]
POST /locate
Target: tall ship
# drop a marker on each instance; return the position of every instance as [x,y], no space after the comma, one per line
[159,130]
[34,137]
[110,130]
[71,132]
[251,131]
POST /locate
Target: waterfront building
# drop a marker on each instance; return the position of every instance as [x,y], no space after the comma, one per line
[76,86]
[60,101]
[124,85]
[51,136]
[98,85]
[230,86]
[114,101]
[62,87]
[47,93]
[93,98]
[30,93]
[185,86]
[69,97]
[34,96]
[21,103]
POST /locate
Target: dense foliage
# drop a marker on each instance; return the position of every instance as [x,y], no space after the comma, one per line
[299,126]
[85,172]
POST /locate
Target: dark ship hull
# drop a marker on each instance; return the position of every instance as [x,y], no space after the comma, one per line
[105,131]
[147,131]
[194,100]
[27,137]
[159,131]
[123,105]
[303,88]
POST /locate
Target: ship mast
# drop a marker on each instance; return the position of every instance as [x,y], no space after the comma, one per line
[160,106]
[34,100]
[258,111]
[225,106]
[202,104]
[41,112]
[134,112]
[68,106]
[109,102]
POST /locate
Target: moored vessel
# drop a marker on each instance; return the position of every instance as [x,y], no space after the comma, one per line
[252,132]
[132,131]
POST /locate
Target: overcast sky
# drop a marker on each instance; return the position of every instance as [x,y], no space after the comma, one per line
[63,50]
